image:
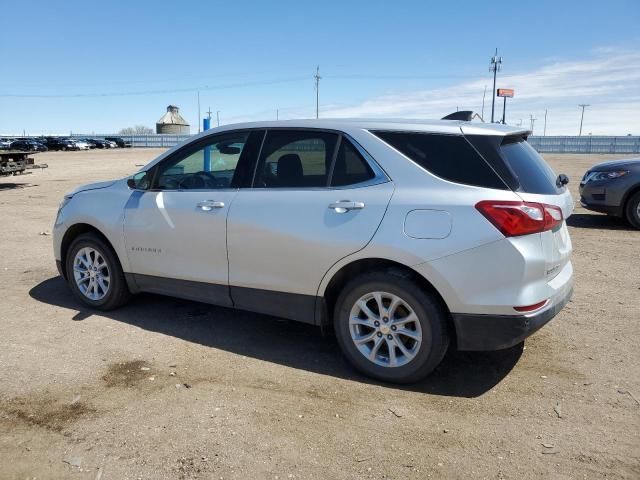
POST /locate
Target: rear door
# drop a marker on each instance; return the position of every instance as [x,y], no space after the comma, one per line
[315,199]
[538,183]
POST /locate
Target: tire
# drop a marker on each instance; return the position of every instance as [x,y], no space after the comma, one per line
[632,210]
[430,324]
[116,292]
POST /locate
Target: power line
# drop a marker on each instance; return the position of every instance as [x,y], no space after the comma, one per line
[156,92]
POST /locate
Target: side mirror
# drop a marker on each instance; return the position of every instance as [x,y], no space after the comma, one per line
[139,181]
[562,180]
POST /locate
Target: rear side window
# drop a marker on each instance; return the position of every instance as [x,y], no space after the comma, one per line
[294,159]
[450,157]
[350,168]
[532,172]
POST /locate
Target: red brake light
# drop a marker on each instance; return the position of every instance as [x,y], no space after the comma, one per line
[515,218]
[531,308]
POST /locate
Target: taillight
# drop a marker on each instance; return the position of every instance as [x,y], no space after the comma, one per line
[515,218]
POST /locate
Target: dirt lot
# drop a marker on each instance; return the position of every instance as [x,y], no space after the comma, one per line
[167,388]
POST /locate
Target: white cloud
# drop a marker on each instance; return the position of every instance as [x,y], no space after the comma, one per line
[609,82]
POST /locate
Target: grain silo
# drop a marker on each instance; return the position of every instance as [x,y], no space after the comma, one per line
[172,122]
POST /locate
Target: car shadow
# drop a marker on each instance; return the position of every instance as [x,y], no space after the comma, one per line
[597,221]
[294,344]
[12,186]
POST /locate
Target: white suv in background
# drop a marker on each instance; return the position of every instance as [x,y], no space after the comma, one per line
[406,236]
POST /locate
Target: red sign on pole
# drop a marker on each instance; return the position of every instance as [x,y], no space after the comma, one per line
[505,92]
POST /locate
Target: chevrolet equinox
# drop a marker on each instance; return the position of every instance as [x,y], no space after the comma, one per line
[408,237]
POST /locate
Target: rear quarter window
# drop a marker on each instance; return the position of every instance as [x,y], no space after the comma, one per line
[533,173]
[450,157]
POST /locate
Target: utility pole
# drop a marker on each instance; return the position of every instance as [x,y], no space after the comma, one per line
[277,114]
[199,119]
[544,132]
[218,117]
[495,67]
[317,77]
[532,120]
[483,95]
[582,105]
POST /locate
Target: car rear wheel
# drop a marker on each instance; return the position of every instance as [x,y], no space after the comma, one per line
[94,273]
[389,328]
[633,210]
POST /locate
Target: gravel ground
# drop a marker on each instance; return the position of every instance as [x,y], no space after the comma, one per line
[167,388]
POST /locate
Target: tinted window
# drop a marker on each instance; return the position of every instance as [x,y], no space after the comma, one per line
[448,156]
[295,159]
[350,168]
[209,166]
[533,173]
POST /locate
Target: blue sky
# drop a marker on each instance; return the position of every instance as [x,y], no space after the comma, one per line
[100,66]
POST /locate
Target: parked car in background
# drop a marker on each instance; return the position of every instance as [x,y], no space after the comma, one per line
[61,144]
[28,146]
[5,143]
[119,141]
[82,144]
[408,237]
[97,143]
[112,144]
[613,188]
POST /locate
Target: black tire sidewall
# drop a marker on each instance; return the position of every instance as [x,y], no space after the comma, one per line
[115,271]
[632,210]
[430,315]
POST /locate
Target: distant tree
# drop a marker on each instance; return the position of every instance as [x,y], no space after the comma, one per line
[137,130]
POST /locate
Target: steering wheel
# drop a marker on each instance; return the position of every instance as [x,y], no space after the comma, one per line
[196,180]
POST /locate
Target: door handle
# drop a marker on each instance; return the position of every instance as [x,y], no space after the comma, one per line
[344,206]
[208,205]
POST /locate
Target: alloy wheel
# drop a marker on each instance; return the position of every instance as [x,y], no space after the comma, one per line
[91,273]
[385,329]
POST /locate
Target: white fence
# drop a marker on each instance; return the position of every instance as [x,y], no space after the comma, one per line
[586,144]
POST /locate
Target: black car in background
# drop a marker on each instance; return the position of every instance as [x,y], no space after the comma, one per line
[100,143]
[61,144]
[613,188]
[28,146]
[119,141]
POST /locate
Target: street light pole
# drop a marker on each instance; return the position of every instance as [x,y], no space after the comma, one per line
[582,105]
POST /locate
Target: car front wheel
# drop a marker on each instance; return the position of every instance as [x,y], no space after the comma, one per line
[633,210]
[94,273]
[390,328]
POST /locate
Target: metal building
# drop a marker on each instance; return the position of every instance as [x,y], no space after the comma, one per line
[172,122]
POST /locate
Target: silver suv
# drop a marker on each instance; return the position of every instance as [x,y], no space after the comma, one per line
[406,236]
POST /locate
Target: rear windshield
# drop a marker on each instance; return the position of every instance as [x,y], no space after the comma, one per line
[532,172]
[450,157]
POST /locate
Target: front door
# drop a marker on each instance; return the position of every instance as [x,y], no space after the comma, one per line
[175,232]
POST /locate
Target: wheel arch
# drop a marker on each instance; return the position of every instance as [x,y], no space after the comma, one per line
[357,267]
[73,232]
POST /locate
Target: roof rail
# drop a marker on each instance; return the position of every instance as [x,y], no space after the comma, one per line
[464,115]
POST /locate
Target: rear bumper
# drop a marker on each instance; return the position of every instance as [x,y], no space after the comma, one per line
[497,332]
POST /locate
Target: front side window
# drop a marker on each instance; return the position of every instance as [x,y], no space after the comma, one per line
[295,159]
[210,166]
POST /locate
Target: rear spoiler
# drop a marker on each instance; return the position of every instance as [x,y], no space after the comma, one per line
[464,115]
